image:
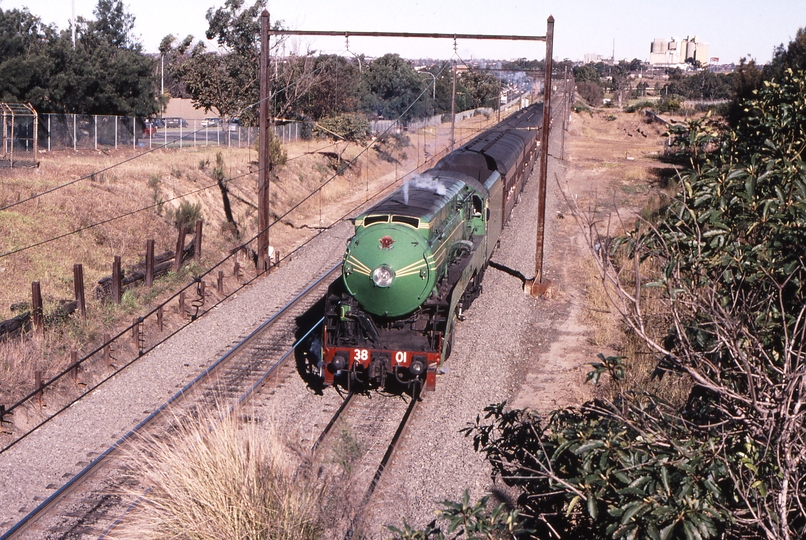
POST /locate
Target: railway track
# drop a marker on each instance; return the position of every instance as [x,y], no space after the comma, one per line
[90,503]
[359,442]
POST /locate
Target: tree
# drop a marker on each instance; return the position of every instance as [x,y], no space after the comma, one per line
[24,61]
[586,73]
[591,92]
[793,56]
[172,58]
[337,88]
[114,24]
[105,73]
[482,88]
[227,82]
[391,88]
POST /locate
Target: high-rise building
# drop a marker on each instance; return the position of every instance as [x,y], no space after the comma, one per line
[675,53]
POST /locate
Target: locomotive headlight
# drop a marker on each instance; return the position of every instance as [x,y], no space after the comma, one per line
[383,276]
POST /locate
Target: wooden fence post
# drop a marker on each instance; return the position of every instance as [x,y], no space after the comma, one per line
[180,248]
[149,263]
[117,287]
[220,282]
[37,315]
[198,242]
[159,318]
[182,303]
[78,283]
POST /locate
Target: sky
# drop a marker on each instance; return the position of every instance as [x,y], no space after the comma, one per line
[732,28]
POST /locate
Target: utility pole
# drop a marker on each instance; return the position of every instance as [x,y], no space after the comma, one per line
[264,158]
[453,106]
[540,286]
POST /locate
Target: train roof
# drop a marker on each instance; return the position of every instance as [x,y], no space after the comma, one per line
[498,148]
[421,197]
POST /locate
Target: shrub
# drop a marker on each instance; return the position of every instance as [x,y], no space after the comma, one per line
[186,215]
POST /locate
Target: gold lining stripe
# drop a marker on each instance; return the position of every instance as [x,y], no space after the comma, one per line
[358,265]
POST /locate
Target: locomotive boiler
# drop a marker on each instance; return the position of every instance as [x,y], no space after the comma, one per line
[417,260]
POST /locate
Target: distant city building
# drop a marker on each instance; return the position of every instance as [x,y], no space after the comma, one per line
[592,58]
[674,53]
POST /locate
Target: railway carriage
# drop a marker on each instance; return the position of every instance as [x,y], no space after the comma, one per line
[417,259]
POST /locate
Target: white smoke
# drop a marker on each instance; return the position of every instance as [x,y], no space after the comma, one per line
[423,182]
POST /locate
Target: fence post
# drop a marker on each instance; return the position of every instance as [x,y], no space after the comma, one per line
[116,132]
[95,121]
[36,307]
[78,283]
[182,303]
[220,282]
[149,262]
[117,293]
[180,248]
[134,132]
[75,131]
[49,132]
[198,242]
[159,318]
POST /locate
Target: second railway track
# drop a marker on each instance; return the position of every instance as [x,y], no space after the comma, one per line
[33,470]
[90,502]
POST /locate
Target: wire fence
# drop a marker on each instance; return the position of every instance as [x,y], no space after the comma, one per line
[91,132]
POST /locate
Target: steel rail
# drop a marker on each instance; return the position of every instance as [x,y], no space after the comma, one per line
[73,482]
[387,457]
[246,395]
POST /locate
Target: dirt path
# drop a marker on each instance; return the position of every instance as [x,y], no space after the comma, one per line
[610,163]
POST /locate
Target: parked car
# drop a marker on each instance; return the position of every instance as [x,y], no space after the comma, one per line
[175,122]
[234,124]
[211,122]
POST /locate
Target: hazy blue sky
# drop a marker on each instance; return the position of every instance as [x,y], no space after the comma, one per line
[732,28]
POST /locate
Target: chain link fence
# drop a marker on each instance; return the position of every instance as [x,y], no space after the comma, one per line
[90,132]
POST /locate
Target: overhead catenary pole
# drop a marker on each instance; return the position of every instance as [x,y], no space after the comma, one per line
[453,106]
[538,286]
[264,159]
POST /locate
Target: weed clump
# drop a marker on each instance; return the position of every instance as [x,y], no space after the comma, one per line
[233,479]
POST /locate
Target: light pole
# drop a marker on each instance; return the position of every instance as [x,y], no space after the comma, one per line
[434,93]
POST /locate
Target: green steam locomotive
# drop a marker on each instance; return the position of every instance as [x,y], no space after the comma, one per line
[417,260]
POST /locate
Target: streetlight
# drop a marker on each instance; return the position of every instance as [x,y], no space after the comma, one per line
[434,94]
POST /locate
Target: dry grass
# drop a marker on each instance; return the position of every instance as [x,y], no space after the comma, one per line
[626,181]
[236,481]
[598,313]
